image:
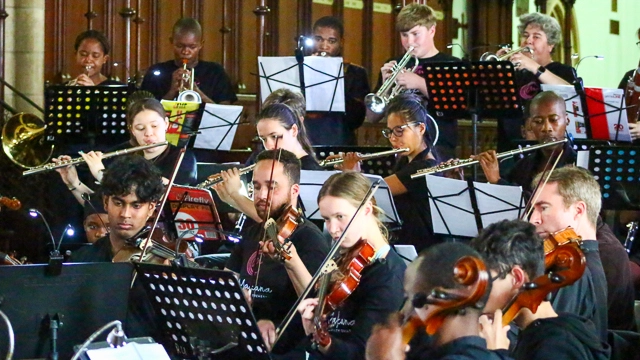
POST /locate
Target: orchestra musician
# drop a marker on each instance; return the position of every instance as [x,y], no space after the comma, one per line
[458,337]
[96,219]
[338,128]
[279,127]
[514,255]
[147,123]
[626,83]
[273,289]
[407,127]
[165,79]
[416,24]
[541,34]
[379,291]
[92,52]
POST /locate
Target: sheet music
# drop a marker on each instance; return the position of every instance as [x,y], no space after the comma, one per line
[131,351]
[218,127]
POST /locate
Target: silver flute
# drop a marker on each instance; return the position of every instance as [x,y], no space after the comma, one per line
[76,161]
[217,178]
[467,162]
[337,161]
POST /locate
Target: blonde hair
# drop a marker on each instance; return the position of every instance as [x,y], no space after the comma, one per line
[413,15]
[576,184]
[353,187]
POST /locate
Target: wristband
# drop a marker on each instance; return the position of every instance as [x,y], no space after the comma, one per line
[540,71]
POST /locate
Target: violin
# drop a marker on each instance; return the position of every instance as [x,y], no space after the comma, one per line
[283,227]
[10,203]
[556,239]
[160,248]
[567,264]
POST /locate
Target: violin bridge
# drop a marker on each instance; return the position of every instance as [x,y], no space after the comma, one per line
[329,267]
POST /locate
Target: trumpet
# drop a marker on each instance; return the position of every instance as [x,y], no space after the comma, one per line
[74,82]
[333,162]
[188,95]
[389,89]
[489,56]
[467,162]
[217,178]
[53,166]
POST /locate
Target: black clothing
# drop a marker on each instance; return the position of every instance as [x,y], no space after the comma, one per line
[465,348]
[307,162]
[100,251]
[274,293]
[338,128]
[529,86]
[413,206]
[564,337]
[379,294]
[625,79]
[448,140]
[620,291]
[210,78]
[587,297]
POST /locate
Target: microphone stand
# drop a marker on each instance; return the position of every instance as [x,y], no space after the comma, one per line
[299,53]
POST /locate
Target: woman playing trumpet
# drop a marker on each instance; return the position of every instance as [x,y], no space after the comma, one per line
[92,51]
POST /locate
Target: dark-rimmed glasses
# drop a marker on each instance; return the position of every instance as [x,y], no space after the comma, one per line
[396,131]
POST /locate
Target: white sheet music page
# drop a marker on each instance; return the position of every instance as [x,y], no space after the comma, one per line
[324,82]
[131,351]
[218,127]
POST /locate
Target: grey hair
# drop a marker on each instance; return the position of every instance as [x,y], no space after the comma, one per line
[548,24]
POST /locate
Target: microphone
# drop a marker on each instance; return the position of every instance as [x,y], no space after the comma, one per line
[465,54]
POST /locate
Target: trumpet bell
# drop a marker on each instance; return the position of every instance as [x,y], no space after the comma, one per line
[489,56]
[23,141]
[375,103]
[189,96]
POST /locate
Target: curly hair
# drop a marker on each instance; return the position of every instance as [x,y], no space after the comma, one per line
[548,24]
[133,174]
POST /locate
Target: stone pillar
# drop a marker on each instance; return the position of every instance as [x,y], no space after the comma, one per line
[24,53]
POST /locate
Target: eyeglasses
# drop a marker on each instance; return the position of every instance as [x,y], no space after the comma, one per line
[396,131]
[638,44]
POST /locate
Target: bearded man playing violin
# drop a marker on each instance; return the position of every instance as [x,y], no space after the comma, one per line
[514,256]
[276,186]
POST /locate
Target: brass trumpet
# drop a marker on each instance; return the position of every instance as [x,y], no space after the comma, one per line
[74,82]
[489,56]
[467,162]
[217,178]
[333,162]
[53,166]
[389,89]
[188,95]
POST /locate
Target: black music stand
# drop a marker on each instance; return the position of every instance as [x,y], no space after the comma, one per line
[94,115]
[477,89]
[617,171]
[381,166]
[203,313]
[69,306]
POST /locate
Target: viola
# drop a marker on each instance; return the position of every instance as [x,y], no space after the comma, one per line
[10,203]
[283,227]
[567,264]
[160,247]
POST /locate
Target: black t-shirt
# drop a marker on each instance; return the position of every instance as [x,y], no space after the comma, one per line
[587,297]
[274,293]
[338,128]
[465,348]
[100,251]
[566,336]
[379,294]
[210,78]
[413,206]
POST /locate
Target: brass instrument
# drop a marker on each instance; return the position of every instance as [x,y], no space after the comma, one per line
[489,56]
[217,178]
[389,89]
[467,162]
[74,82]
[53,166]
[332,162]
[23,141]
[188,95]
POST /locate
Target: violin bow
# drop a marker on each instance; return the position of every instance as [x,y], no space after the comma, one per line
[327,260]
[542,182]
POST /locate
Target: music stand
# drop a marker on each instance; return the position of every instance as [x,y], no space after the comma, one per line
[203,313]
[382,166]
[218,126]
[470,205]
[192,212]
[82,298]
[617,171]
[184,120]
[86,114]
[477,89]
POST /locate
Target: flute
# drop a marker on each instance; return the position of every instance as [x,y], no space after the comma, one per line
[337,161]
[217,178]
[76,161]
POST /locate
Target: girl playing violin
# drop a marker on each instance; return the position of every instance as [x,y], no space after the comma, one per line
[344,330]
[407,127]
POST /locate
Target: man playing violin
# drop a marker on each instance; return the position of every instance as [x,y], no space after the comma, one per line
[514,256]
[276,186]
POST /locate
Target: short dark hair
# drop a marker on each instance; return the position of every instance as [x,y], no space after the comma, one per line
[330,22]
[187,26]
[288,160]
[133,174]
[508,243]
[287,118]
[436,269]
[95,35]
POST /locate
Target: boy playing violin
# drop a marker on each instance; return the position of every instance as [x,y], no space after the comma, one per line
[514,256]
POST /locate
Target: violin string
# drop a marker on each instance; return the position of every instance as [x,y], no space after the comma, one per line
[546,173]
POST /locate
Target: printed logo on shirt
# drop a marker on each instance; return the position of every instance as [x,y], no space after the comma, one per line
[252,263]
[257,292]
[338,324]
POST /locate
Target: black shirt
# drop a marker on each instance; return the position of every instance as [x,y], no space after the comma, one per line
[274,293]
[465,348]
[564,337]
[100,251]
[587,297]
[413,206]
[379,294]
[338,128]
[210,78]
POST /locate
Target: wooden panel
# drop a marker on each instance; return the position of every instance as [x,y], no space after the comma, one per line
[353,36]
[384,39]
[287,29]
